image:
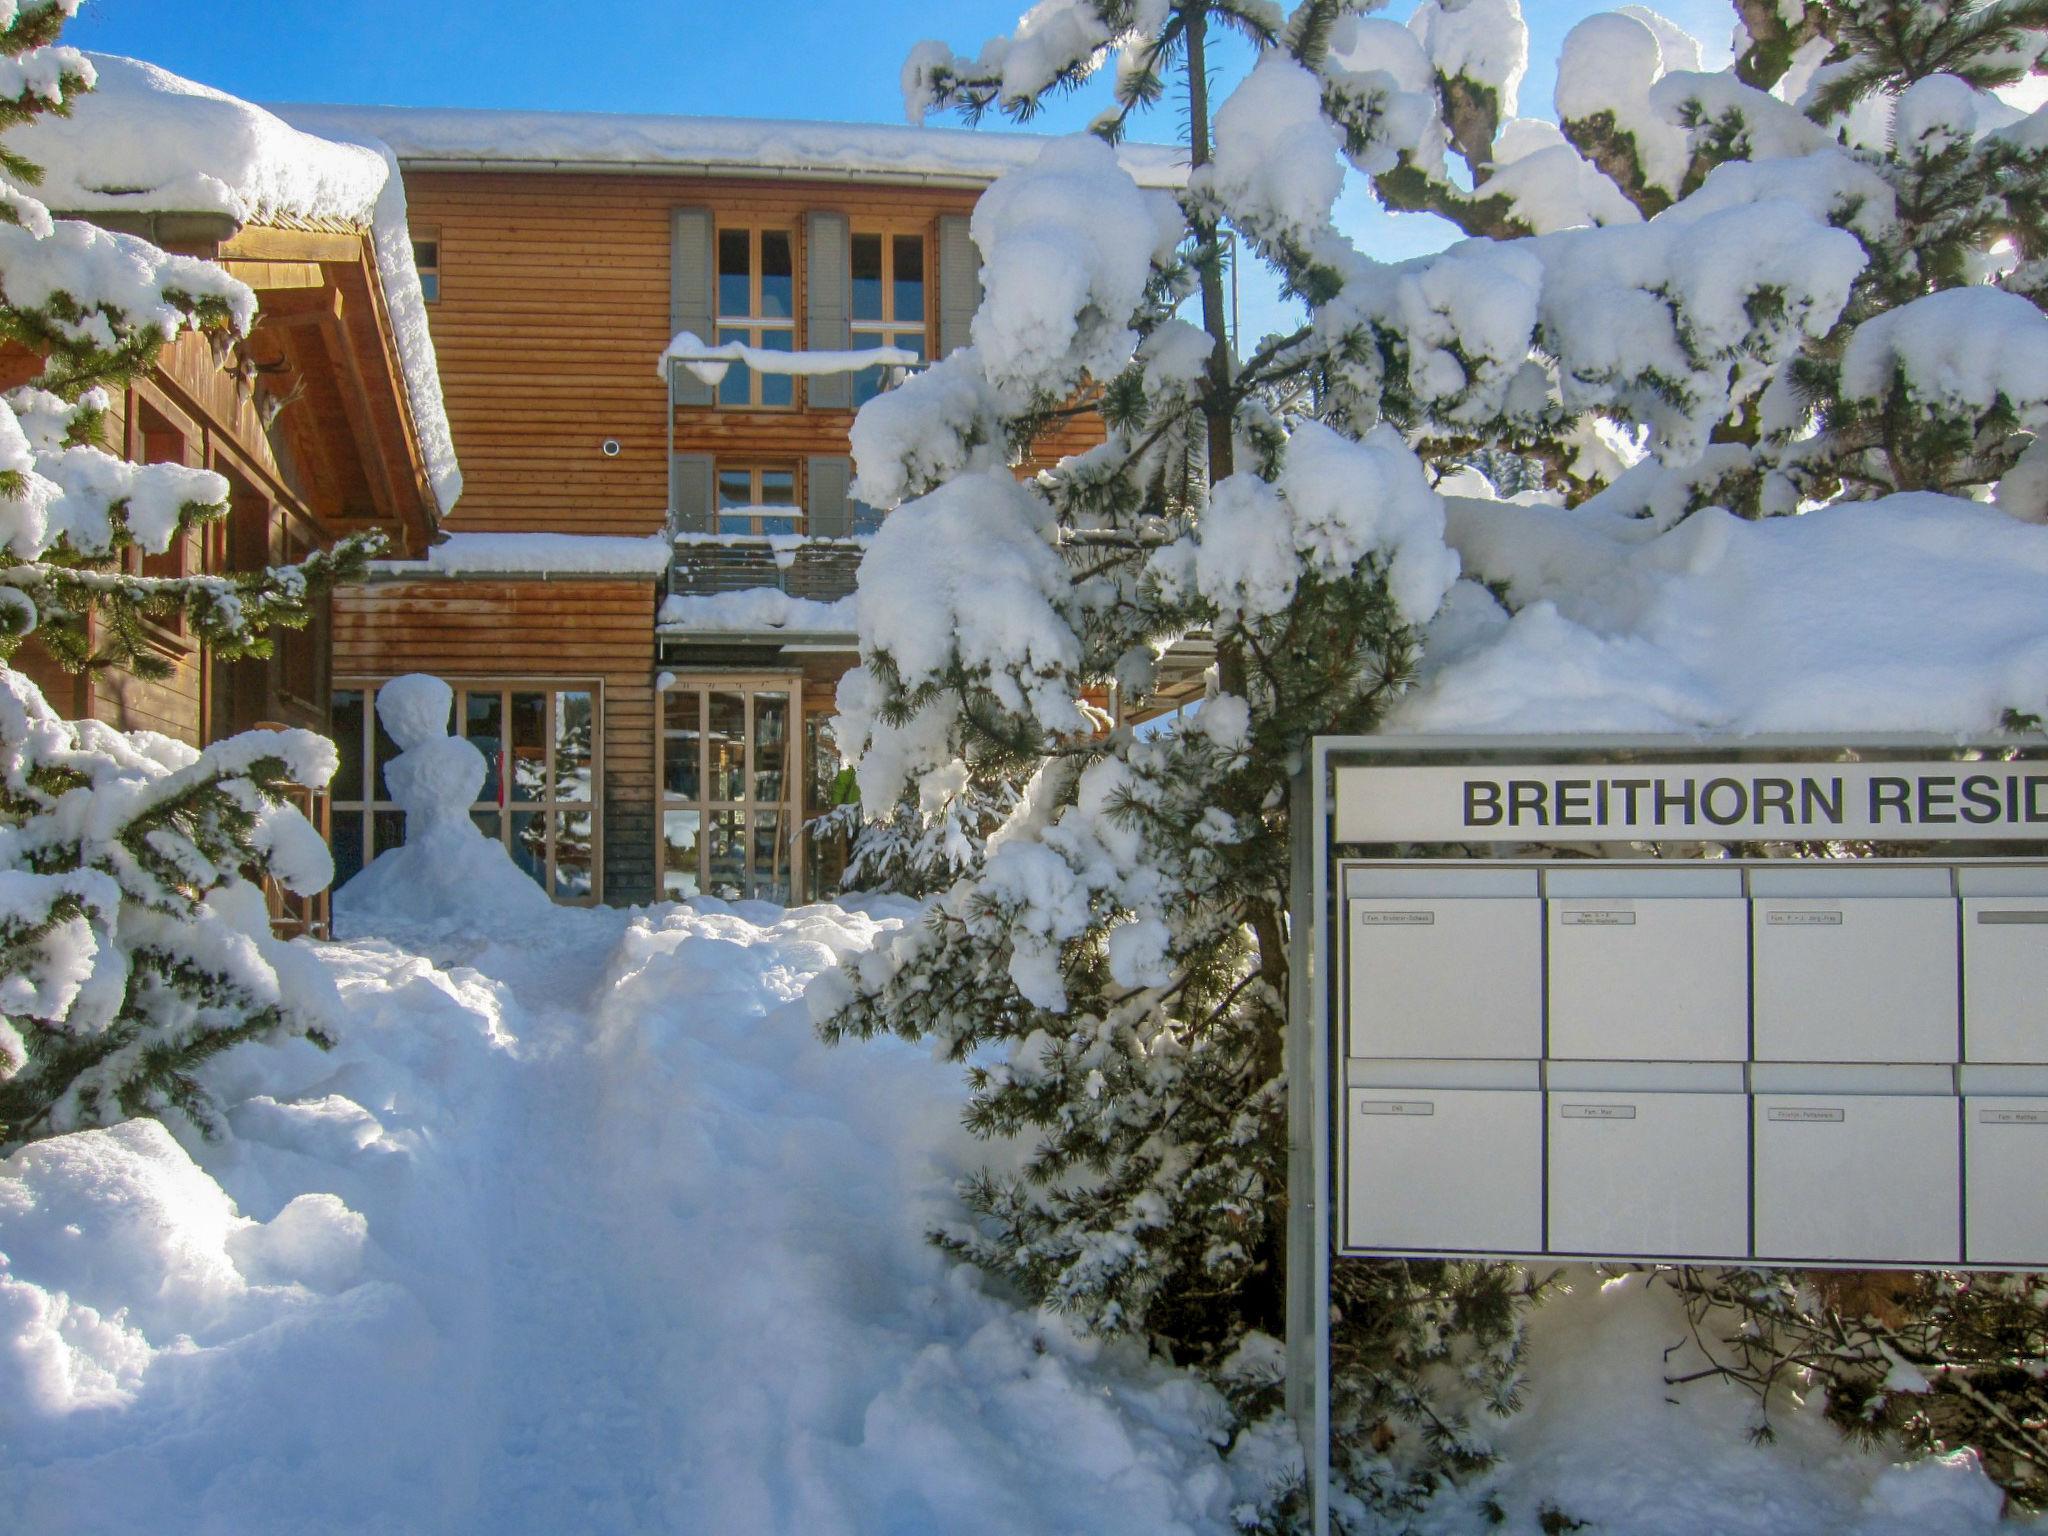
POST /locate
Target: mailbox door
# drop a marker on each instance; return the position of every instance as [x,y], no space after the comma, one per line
[1855,978]
[1662,1175]
[2005,1149]
[1434,1171]
[1649,979]
[1435,976]
[1857,1178]
[2005,978]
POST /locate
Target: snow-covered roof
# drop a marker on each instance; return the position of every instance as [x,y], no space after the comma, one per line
[536,554]
[565,140]
[147,141]
[144,140]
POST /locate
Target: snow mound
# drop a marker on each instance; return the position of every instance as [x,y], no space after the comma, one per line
[1917,612]
[145,140]
[588,1234]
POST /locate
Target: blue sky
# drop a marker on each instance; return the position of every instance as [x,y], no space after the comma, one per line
[826,59]
[835,59]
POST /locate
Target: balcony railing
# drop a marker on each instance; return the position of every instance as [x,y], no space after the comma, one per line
[819,570]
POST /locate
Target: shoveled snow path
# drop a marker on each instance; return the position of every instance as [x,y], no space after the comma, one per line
[712,1307]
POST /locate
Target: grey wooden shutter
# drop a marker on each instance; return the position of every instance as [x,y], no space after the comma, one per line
[690,486]
[828,304]
[959,282]
[692,290]
[828,510]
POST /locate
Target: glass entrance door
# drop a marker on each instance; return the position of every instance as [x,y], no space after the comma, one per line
[730,793]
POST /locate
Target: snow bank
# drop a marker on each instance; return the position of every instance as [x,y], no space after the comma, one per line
[565,139]
[1603,1440]
[578,1229]
[536,554]
[1917,612]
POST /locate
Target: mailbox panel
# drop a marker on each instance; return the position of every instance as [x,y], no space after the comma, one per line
[1445,967]
[2005,965]
[1855,1178]
[2005,1149]
[1659,1174]
[1434,1170]
[1648,965]
[1854,965]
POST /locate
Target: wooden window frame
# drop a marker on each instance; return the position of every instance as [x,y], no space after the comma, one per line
[550,808]
[754,323]
[791,805]
[888,331]
[429,272]
[754,470]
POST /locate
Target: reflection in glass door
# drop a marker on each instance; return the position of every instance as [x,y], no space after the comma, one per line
[729,788]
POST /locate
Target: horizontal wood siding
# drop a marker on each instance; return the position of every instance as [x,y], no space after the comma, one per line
[595,630]
[554,305]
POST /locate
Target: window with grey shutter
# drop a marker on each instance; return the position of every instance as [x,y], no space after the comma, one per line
[827,305]
[691,305]
[959,282]
[690,486]
[827,505]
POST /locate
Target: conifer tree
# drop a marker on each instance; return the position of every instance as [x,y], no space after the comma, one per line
[1810,277]
[134,943]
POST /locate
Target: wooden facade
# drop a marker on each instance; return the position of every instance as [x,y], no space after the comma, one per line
[590,632]
[556,290]
[309,422]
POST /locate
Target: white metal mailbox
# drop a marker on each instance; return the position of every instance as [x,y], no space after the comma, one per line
[2005,964]
[1648,964]
[1647,1158]
[1854,964]
[2005,1162]
[1854,1166]
[1447,1168]
[1445,963]
[1765,1000]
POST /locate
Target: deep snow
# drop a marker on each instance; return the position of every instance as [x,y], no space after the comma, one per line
[581,1230]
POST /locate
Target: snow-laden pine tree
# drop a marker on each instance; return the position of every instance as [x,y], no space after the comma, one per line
[1809,277]
[134,941]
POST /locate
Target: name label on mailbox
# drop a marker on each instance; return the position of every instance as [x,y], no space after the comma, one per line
[1596,1111]
[1804,1116]
[1993,919]
[1397,1107]
[2012,1117]
[1397,919]
[1803,919]
[1584,918]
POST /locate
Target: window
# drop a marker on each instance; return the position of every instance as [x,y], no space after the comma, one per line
[426,255]
[757,306]
[757,501]
[539,743]
[729,791]
[890,306]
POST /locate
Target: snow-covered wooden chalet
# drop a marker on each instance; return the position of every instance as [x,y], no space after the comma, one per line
[645,338]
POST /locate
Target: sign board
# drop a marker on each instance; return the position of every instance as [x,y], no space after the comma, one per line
[1759,1001]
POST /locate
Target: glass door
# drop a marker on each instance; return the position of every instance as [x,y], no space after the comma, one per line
[730,793]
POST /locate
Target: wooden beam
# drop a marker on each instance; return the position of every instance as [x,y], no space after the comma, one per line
[257,242]
[270,276]
[362,420]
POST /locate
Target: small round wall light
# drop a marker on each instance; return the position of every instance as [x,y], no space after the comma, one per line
[611,447]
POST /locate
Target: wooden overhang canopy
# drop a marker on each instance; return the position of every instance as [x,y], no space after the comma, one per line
[324,353]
